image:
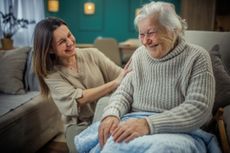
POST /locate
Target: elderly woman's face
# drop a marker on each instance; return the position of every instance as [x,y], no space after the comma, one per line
[155,37]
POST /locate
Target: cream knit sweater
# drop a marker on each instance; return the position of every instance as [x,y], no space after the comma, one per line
[179,86]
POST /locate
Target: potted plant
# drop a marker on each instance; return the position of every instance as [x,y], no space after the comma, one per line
[9,25]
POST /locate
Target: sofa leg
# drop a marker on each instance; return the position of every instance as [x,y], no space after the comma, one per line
[222,131]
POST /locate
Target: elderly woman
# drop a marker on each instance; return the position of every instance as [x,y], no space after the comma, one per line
[172,84]
[74,78]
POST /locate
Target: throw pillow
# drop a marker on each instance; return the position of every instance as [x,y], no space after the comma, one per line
[222,78]
[12,64]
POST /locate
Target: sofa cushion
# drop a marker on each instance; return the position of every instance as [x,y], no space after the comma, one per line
[30,80]
[12,64]
[207,39]
[222,79]
[11,102]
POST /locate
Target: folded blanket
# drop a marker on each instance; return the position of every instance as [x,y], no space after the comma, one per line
[197,141]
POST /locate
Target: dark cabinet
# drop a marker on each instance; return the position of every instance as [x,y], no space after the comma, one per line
[213,15]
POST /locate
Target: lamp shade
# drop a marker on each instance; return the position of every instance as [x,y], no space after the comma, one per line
[137,11]
[89,8]
[53,5]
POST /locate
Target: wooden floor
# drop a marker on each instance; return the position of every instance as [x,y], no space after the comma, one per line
[54,147]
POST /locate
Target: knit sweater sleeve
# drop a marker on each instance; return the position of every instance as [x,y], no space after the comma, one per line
[122,98]
[199,86]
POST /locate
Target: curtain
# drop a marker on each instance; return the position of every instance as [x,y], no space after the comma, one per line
[26,9]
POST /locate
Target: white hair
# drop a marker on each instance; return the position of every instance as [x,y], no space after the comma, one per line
[166,15]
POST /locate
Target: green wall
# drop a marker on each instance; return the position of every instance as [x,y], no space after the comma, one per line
[113,18]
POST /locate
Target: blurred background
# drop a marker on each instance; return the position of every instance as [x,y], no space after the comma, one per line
[113,18]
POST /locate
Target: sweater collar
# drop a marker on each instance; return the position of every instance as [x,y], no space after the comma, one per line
[176,51]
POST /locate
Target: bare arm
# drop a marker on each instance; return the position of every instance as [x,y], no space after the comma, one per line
[92,94]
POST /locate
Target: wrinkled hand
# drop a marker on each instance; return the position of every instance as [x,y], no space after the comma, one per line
[130,129]
[106,128]
[123,73]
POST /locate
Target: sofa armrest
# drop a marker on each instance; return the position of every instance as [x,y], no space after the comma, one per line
[30,126]
[101,104]
[222,130]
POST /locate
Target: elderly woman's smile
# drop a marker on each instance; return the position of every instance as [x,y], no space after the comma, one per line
[157,39]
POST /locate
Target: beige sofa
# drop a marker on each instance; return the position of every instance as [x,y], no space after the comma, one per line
[27,120]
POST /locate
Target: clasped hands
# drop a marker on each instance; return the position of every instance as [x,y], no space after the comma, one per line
[122,130]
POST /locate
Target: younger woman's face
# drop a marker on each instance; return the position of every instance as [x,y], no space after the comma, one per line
[63,44]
